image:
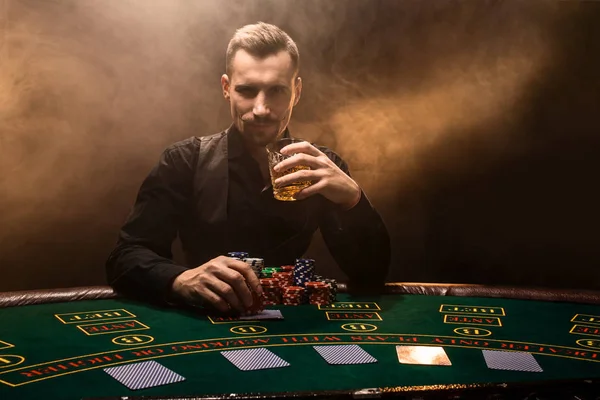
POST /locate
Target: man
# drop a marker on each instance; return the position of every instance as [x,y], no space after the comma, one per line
[215,192]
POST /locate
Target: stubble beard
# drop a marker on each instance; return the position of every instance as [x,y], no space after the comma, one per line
[261,136]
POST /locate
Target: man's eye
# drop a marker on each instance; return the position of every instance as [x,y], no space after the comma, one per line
[278,90]
[245,91]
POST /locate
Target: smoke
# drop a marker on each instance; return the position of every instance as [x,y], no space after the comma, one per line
[89,91]
[390,137]
[416,79]
[92,91]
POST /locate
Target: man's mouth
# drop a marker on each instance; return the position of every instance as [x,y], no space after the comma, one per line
[260,124]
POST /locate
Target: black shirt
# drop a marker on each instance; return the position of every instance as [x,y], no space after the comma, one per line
[230,210]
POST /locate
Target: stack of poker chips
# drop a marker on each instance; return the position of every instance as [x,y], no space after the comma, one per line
[284,278]
[303,271]
[271,291]
[318,292]
[293,295]
[240,255]
[257,265]
[333,288]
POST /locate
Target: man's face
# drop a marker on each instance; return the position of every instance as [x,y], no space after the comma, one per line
[262,93]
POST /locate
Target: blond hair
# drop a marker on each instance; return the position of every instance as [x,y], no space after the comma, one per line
[261,40]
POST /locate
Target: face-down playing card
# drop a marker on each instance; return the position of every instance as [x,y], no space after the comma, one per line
[344,354]
[143,375]
[265,314]
[254,359]
[511,360]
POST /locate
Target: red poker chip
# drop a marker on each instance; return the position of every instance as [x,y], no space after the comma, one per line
[269,282]
[294,288]
[316,284]
[257,303]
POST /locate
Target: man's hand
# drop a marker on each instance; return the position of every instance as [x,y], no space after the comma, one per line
[222,282]
[328,179]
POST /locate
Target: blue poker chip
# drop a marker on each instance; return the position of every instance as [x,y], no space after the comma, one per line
[238,254]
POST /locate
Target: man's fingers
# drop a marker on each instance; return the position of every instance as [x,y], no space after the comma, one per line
[226,292]
[248,275]
[298,176]
[309,191]
[237,282]
[301,147]
[210,297]
[299,159]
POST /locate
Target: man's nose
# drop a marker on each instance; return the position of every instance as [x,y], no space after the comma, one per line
[261,109]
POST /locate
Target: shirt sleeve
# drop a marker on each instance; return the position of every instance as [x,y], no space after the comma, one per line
[141,264]
[357,239]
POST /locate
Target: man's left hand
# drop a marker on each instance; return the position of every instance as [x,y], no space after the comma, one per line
[326,177]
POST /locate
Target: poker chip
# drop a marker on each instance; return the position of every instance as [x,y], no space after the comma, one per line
[267,272]
[257,303]
[257,264]
[304,270]
[318,292]
[238,254]
[285,278]
[289,284]
[272,293]
[293,295]
[333,288]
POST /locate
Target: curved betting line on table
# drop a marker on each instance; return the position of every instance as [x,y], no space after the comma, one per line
[412,339]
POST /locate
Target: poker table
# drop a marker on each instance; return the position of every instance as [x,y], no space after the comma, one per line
[55,344]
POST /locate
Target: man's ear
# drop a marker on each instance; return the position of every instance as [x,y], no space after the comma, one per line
[297,90]
[225,85]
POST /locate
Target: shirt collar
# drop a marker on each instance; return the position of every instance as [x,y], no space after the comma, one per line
[235,143]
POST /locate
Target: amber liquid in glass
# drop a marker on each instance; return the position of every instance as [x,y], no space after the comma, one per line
[287,193]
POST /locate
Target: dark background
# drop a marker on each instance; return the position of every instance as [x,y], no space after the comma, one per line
[471,125]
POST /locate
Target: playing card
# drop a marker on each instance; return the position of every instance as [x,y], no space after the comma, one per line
[253,359]
[344,354]
[511,360]
[265,314]
[143,375]
[423,355]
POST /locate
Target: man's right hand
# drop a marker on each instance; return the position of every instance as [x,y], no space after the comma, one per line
[222,282]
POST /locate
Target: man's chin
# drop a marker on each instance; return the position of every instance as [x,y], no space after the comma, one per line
[261,137]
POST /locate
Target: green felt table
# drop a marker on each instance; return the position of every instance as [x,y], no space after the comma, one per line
[59,350]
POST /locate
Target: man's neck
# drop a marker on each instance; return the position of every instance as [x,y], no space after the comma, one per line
[259,154]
